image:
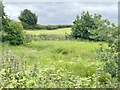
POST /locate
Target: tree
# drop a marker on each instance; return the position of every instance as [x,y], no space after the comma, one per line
[28,19]
[12,31]
[81,26]
[102,30]
[90,27]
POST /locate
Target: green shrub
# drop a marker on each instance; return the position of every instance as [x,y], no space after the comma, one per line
[110,55]
[14,34]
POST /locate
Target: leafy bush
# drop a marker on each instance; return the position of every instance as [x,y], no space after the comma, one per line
[12,31]
[13,34]
[110,54]
[110,58]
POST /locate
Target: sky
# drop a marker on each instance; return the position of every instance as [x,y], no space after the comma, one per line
[62,12]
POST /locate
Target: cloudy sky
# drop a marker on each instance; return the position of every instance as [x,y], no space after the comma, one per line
[62,12]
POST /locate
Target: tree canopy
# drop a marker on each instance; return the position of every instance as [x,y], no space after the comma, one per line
[91,27]
[28,18]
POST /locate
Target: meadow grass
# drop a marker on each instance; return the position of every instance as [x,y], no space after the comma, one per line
[75,56]
[61,31]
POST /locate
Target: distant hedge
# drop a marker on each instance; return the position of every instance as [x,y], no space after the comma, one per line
[50,27]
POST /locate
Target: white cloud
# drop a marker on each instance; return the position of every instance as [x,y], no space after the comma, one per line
[62,13]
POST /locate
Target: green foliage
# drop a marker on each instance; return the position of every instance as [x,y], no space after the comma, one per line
[28,19]
[106,81]
[81,26]
[110,58]
[90,27]
[13,34]
[11,31]
[51,27]
[1,14]
[15,74]
[40,27]
[111,68]
[110,55]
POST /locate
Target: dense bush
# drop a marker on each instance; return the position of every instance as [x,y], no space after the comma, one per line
[14,34]
[110,55]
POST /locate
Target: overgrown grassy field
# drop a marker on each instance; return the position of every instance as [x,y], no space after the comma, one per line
[55,63]
[78,57]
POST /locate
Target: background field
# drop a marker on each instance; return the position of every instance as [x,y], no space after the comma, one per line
[49,32]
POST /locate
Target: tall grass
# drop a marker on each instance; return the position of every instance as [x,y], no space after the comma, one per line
[71,55]
[53,64]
